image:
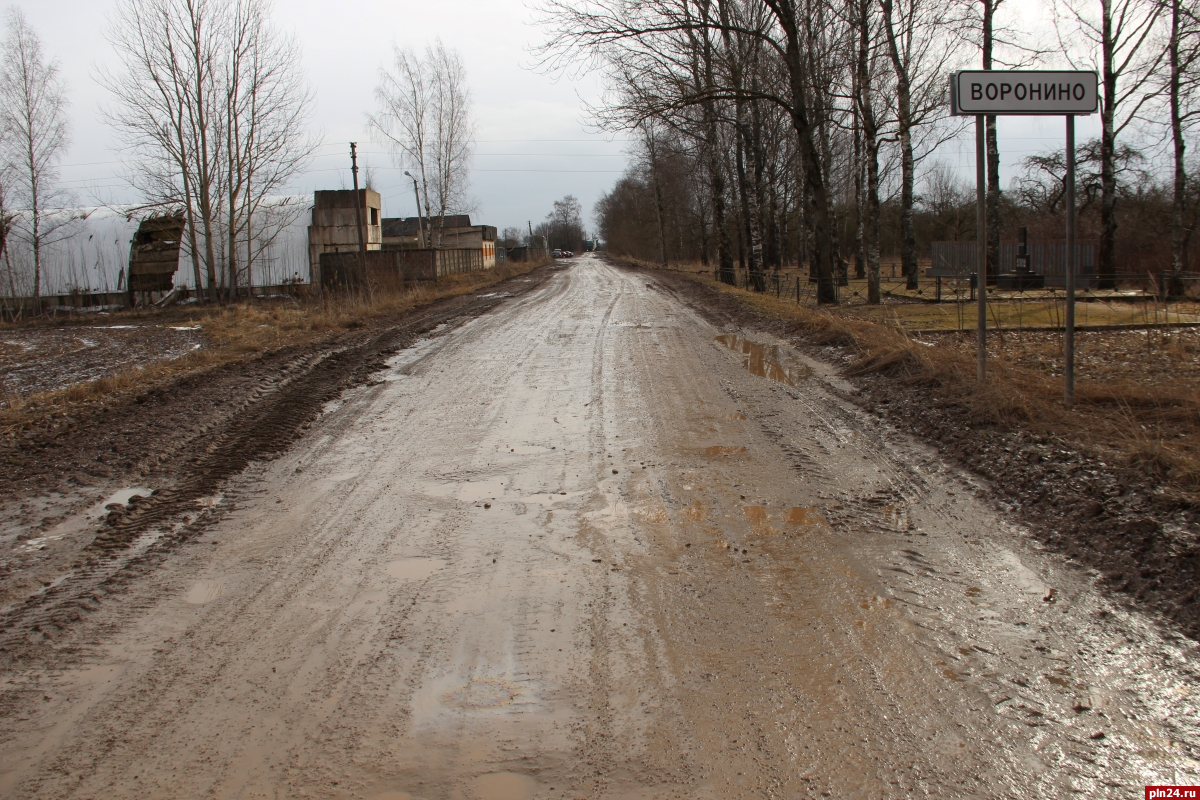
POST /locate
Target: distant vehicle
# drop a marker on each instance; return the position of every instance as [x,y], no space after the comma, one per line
[558,254]
[568,254]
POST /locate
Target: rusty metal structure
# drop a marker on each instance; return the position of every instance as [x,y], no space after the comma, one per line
[154,255]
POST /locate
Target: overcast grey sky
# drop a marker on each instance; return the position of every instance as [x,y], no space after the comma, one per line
[534,144]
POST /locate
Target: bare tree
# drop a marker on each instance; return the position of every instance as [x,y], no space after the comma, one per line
[512,237]
[869,79]
[266,114]
[33,108]
[1118,37]
[165,101]
[453,130]
[1183,54]
[402,122]
[920,50]
[211,108]
[425,116]
[564,225]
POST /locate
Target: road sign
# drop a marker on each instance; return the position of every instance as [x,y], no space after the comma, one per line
[981,93]
[1017,92]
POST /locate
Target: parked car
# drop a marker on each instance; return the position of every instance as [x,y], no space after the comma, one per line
[557,254]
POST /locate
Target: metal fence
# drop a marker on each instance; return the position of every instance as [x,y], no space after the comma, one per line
[1047,257]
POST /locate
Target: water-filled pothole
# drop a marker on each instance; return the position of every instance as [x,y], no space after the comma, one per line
[723,450]
[766,360]
[482,693]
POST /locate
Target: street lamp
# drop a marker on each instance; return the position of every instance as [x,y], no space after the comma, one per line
[420,223]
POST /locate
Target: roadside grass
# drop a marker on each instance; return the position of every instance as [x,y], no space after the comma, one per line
[1147,417]
[235,332]
[916,310]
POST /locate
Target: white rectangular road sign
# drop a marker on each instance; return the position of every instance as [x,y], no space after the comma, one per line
[1007,92]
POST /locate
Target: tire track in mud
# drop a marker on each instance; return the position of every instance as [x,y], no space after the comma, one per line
[274,413]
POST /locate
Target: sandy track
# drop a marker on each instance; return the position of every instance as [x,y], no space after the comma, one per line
[575,548]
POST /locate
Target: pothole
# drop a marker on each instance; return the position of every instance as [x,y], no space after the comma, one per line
[766,360]
[482,693]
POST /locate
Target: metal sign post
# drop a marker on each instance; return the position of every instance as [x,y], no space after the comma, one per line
[981,93]
[1069,333]
[981,249]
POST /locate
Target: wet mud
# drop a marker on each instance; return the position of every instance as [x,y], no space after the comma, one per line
[766,361]
[1094,508]
[187,439]
[506,565]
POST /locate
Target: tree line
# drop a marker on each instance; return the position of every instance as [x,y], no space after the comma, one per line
[769,132]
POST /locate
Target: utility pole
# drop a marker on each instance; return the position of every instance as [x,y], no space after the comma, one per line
[420,220]
[362,245]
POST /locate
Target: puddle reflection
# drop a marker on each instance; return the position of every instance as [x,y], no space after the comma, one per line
[804,515]
[766,361]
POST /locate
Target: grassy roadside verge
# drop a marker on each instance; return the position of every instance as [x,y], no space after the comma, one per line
[1147,425]
[233,333]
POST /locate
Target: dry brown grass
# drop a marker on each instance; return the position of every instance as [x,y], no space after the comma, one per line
[1151,422]
[239,331]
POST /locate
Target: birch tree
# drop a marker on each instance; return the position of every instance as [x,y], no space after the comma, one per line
[1183,86]
[267,107]
[425,116]
[35,130]
[920,48]
[1117,38]
[210,105]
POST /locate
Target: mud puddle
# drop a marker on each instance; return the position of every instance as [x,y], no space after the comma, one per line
[766,360]
[414,568]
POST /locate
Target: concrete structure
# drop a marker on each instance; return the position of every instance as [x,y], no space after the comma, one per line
[525,253]
[334,225]
[396,267]
[453,232]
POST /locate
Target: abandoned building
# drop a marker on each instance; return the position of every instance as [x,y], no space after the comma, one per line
[334,225]
[452,232]
[410,249]
[113,253]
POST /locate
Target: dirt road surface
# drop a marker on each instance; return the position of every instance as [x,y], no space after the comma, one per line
[586,545]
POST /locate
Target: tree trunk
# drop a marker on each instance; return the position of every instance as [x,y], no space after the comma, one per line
[908,236]
[758,207]
[659,209]
[717,178]
[749,225]
[703,76]
[1175,286]
[1107,268]
[786,15]
[870,139]
[860,267]
[992,144]
[36,213]
[874,295]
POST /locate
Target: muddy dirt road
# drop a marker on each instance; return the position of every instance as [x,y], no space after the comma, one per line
[586,545]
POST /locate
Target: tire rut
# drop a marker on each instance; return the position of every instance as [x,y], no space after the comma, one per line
[273,414]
